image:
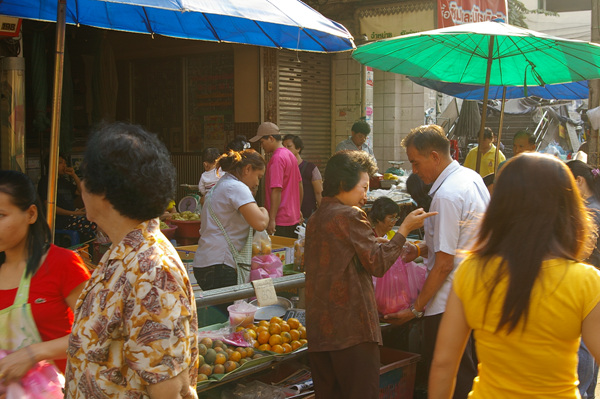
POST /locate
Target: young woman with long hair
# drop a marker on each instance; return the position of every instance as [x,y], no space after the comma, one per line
[524,291]
[39,282]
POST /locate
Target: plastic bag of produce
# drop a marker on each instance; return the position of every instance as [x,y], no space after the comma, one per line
[269,264]
[399,286]
[261,243]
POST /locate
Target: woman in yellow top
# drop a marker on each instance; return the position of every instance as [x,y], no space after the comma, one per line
[383,217]
[523,291]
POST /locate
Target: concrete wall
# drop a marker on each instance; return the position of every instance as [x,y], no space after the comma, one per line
[346,96]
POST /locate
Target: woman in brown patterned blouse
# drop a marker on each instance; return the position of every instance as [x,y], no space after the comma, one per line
[341,255]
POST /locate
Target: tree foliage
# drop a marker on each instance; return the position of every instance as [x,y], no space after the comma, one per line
[517,13]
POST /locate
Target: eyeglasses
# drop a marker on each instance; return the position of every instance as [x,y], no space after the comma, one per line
[392,219]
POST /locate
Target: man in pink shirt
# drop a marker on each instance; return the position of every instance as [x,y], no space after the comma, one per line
[283,183]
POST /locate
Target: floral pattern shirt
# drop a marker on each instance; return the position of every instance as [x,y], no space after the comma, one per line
[135,321]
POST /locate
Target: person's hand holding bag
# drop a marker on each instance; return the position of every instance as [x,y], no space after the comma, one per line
[414,220]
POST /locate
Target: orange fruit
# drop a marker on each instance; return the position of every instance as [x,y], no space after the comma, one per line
[217,343]
[253,343]
[242,351]
[230,366]
[302,331]
[202,377]
[303,341]
[293,322]
[263,337]
[286,337]
[205,369]
[249,352]
[276,319]
[295,345]
[264,347]
[229,352]
[219,369]
[239,328]
[252,327]
[200,360]
[295,335]
[278,349]
[274,328]
[275,339]
[235,356]
[251,333]
[218,349]
[221,358]
[263,323]
[244,361]
[261,328]
[285,327]
[207,342]
[202,349]
[287,348]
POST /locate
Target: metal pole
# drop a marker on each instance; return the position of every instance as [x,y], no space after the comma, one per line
[500,131]
[486,91]
[59,62]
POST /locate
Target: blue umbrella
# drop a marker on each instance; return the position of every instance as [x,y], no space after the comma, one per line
[288,24]
[565,91]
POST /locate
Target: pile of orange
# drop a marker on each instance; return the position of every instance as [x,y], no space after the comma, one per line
[217,358]
[276,335]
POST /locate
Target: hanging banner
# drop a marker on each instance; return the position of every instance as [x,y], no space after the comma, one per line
[458,12]
[396,19]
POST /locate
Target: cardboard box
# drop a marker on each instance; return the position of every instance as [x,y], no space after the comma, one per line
[283,247]
[397,373]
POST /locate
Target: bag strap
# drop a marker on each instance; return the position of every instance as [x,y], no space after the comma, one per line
[241,258]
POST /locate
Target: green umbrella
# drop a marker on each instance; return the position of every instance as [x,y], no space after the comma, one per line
[485,53]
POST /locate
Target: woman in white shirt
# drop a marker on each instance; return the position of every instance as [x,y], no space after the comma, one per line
[229,214]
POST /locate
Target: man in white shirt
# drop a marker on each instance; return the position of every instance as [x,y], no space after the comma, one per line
[460,197]
[358,140]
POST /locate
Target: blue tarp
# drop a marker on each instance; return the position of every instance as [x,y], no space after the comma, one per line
[288,24]
[566,91]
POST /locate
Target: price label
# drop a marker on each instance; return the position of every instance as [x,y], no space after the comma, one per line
[265,292]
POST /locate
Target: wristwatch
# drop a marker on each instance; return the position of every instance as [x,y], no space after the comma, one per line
[417,314]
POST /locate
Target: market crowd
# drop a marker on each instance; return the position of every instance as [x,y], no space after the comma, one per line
[510,290]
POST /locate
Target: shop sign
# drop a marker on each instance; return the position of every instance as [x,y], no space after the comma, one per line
[10,26]
[457,12]
[390,20]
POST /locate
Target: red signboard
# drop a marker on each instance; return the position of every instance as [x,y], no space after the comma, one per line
[457,12]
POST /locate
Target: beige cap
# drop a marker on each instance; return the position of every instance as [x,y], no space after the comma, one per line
[265,129]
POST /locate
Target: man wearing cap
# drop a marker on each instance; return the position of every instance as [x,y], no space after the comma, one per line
[358,140]
[283,183]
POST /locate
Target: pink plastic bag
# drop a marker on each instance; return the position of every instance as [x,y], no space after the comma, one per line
[264,266]
[399,286]
[43,381]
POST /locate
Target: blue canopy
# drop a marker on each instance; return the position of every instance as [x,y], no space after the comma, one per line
[565,91]
[288,24]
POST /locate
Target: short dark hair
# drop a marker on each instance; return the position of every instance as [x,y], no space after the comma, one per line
[239,143]
[210,154]
[428,137]
[382,207]
[488,133]
[419,191]
[131,168]
[343,169]
[524,133]
[361,127]
[298,143]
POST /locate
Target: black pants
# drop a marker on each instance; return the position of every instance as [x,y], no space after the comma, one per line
[467,369]
[216,276]
[286,231]
[351,373]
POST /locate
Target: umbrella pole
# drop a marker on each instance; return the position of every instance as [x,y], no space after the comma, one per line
[500,130]
[486,91]
[56,109]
